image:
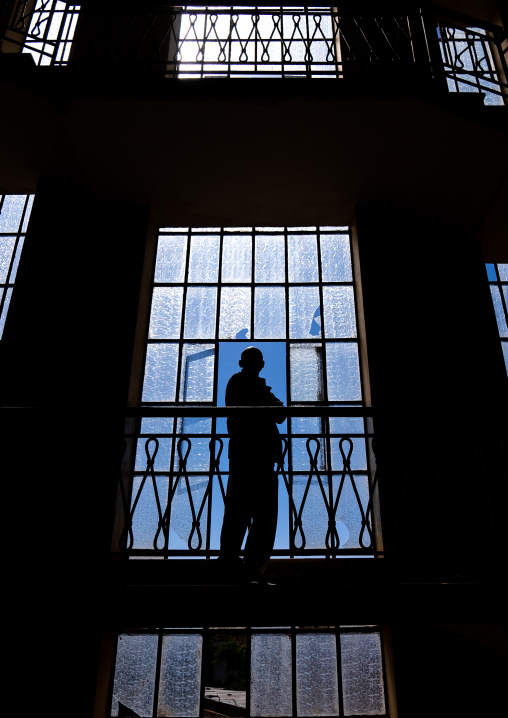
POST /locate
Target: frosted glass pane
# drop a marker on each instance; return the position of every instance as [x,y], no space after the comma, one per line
[12,208]
[27,213]
[134,684]
[349,516]
[358,458]
[270,683]
[180,675]
[314,513]
[306,425]
[304,313]
[160,372]
[343,372]
[302,258]
[181,526]
[270,254]
[6,249]
[200,313]
[336,258]
[306,371]
[234,320]
[171,255]
[270,313]
[362,674]
[317,691]
[300,455]
[204,259]
[503,272]
[237,259]
[339,312]
[17,256]
[5,308]
[166,314]
[196,382]
[498,308]
[145,520]
[505,354]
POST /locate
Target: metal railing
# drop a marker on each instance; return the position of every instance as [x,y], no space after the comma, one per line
[195,41]
[174,478]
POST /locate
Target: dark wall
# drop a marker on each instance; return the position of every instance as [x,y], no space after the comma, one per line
[438,382]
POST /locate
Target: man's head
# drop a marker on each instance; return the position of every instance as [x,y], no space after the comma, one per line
[252,360]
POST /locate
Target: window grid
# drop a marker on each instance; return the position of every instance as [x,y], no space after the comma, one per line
[206,469]
[467,55]
[498,280]
[361,680]
[14,216]
[50,31]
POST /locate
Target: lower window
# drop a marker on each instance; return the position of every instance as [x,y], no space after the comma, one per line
[282,671]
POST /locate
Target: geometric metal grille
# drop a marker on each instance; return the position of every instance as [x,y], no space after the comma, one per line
[47,28]
[14,215]
[285,671]
[468,58]
[498,281]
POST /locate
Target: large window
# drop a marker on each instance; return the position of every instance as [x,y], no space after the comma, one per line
[14,215]
[291,293]
[302,671]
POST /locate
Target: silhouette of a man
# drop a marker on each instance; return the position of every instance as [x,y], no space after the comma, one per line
[254,450]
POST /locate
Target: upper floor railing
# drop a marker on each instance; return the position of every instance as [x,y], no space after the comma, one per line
[174,480]
[367,43]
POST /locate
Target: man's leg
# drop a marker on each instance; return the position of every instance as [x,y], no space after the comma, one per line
[261,538]
[236,519]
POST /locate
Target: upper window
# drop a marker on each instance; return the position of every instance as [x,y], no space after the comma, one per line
[254,40]
[291,293]
[469,58]
[498,280]
[14,215]
[49,28]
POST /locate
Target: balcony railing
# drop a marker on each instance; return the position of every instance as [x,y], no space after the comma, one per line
[174,480]
[203,41]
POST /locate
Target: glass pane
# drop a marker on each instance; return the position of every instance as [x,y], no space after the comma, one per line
[235,313]
[505,354]
[237,259]
[160,372]
[339,312]
[204,259]
[498,308]
[171,255]
[270,683]
[270,313]
[362,674]
[306,372]
[27,213]
[349,516]
[180,675]
[343,372]
[196,382]
[136,658]
[187,499]
[314,512]
[304,313]
[317,692]
[5,308]
[336,258]
[491,272]
[12,209]
[270,254]
[6,248]
[17,256]
[302,258]
[503,272]
[166,315]
[145,520]
[200,313]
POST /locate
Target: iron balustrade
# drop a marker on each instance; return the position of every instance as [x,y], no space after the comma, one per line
[462,53]
[326,508]
[192,41]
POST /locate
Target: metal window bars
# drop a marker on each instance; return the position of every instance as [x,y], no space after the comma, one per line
[172,487]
